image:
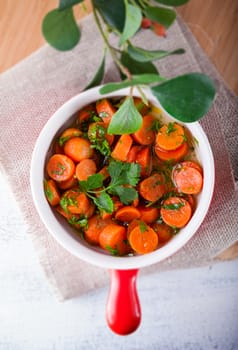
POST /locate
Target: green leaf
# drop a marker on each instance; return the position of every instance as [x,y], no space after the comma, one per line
[99,74]
[132,173]
[142,79]
[64,4]
[132,23]
[126,120]
[93,182]
[142,55]
[104,202]
[60,29]
[113,12]
[187,97]
[172,2]
[161,15]
[136,67]
[126,194]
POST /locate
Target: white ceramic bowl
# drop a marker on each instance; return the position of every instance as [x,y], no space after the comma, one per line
[60,229]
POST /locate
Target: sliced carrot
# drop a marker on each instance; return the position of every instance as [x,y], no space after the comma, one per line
[132,224]
[143,239]
[122,148]
[98,131]
[170,136]
[90,211]
[51,192]
[95,226]
[85,113]
[105,110]
[113,239]
[67,184]
[164,232]
[148,214]
[141,106]
[132,154]
[144,159]
[145,135]
[188,179]
[75,202]
[153,187]
[85,168]
[68,134]
[127,213]
[78,149]
[176,212]
[190,163]
[174,155]
[60,167]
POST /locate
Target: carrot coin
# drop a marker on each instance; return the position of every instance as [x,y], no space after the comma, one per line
[127,214]
[68,134]
[164,232]
[170,136]
[67,184]
[145,135]
[75,202]
[60,167]
[85,168]
[113,238]
[187,179]
[95,226]
[174,155]
[78,149]
[176,212]
[148,214]
[51,192]
[143,239]
[153,187]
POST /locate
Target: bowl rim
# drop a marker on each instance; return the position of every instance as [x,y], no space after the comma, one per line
[86,253]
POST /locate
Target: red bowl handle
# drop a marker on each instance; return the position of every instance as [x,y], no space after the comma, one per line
[123,310]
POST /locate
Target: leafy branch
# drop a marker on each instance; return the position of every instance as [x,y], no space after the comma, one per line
[187,97]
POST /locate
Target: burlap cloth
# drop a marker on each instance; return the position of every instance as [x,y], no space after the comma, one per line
[33,90]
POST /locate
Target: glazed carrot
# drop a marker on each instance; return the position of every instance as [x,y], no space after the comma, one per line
[153,187]
[122,148]
[95,226]
[98,131]
[127,213]
[174,155]
[144,159]
[143,239]
[68,134]
[112,238]
[105,110]
[78,149]
[141,106]
[85,168]
[51,192]
[132,154]
[148,214]
[164,232]
[60,167]
[170,136]
[90,211]
[67,184]
[132,225]
[85,113]
[176,212]
[145,135]
[188,179]
[191,164]
[75,202]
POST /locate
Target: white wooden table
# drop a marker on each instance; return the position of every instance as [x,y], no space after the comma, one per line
[186,309]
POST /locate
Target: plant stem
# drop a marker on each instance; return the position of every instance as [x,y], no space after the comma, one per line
[122,68]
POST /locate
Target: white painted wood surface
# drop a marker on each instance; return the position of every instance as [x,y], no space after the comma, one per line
[186,309]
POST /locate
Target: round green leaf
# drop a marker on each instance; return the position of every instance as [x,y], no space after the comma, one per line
[136,67]
[113,12]
[60,29]
[187,97]
[161,15]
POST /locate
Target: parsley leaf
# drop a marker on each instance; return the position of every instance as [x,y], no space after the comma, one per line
[126,194]
[94,181]
[104,201]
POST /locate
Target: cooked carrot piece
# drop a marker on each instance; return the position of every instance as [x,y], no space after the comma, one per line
[131,225]
[164,232]
[122,148]
[105,110]
[174,155]
[170,136]
[67,184]
[132,154]
[143,239]
[176,212]
[78,149]
[153,187]
[85,113]
[188,179]
[145,135]
[85,168]
[60,167]
[148,214]
[75,202]
[68,134]
[141,106]
[144,159]
[51,192]
[113,239]
[127,214]
[95,226]
[191,164]
[104,172]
